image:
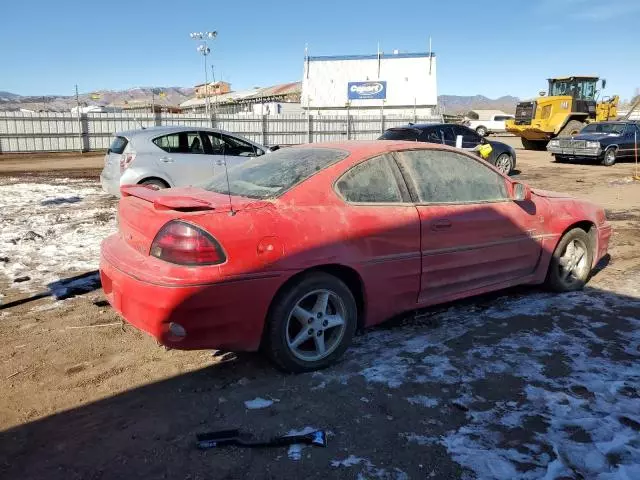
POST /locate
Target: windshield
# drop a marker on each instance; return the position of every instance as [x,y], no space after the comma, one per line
[270,175]
[608,128]
[400,134]
[580,89]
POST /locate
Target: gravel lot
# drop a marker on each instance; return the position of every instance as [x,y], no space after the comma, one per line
[518,384]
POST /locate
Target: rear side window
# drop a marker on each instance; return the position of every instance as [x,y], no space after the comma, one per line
[268,176]
[371,181]
[168,143]
[410,134]
[118,144]
[448,177]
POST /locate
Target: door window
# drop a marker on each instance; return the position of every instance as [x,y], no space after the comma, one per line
[470,138]
[182,142]
[372,181]
[226,145]
[447,177]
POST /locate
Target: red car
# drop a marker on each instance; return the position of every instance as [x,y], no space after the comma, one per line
[294,250]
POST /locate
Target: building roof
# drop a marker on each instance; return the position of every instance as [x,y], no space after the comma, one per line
[278,90]
[575,76]
[384,56]
[211,84]
[252,94]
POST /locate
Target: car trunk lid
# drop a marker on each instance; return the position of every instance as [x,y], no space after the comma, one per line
[143,211]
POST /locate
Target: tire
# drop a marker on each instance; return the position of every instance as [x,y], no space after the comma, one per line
[504,163]
[155,183]
[538,145]
[284,327]
[557,277]
[482,131]
[609,158]
[572,127]
[561,159]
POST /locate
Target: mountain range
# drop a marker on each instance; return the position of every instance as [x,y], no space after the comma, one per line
[453,104]
[61,103]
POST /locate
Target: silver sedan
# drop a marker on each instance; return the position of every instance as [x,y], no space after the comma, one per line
[165,157]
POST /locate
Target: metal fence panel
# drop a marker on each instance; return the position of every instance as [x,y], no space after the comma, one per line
[59,132]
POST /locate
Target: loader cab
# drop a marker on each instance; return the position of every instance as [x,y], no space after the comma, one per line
[582,90]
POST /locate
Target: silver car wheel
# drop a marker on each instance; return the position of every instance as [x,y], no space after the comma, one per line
[573,264]
[316,325]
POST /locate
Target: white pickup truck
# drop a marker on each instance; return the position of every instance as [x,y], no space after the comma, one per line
[485,122]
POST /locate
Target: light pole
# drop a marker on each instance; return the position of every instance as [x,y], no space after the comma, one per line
[204,49]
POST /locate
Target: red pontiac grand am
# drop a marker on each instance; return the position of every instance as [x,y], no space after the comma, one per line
[294,250]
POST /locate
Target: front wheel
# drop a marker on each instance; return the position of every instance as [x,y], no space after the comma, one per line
[571,262]
[504,163]
[311,323]
[609,157]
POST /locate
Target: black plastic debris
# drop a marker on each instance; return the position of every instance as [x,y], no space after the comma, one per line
[235,437]
[70,287]
[32,236]
[21,279]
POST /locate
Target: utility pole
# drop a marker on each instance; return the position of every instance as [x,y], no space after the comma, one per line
[204,49]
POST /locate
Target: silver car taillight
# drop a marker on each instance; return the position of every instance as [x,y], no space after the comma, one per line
[125,160]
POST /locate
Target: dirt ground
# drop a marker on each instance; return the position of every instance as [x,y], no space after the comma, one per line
[518,384]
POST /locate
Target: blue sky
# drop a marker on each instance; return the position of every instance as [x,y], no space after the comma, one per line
[494,47]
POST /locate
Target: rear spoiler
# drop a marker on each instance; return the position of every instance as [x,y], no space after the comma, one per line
[162,201]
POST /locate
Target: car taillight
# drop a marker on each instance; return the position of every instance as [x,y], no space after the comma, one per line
[184,244]
[125,160]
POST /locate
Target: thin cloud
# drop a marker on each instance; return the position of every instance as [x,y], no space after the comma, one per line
[592,10]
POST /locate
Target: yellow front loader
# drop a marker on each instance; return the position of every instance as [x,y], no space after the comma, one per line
[570,104]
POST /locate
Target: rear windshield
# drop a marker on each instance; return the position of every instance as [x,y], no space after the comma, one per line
[270,175]
[400,134]
[615,128]
[118,145]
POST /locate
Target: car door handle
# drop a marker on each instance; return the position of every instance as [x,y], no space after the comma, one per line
[166,159]
[440,225]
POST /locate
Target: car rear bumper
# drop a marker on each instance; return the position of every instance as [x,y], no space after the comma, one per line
[228,315]
[110,185]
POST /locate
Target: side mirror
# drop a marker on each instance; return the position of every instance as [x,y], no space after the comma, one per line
[521,192]
[604,83]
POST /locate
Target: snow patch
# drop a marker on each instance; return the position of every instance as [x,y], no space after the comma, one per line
[50,230]
[258,403]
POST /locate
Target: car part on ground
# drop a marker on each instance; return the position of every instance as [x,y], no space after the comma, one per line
[290,254]
[164,157]
[569,105]
[234,437]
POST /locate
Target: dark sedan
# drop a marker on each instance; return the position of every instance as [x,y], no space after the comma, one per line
[605,142]
[503,157]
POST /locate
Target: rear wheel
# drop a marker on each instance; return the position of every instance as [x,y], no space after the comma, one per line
[561,159]
[609,157]
[311,323]
[572,128]
[571,262]
[534,144]
[482,131]
[504,163]
[155,183]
